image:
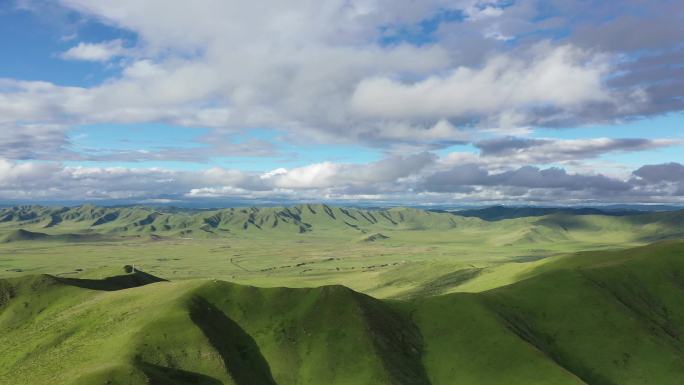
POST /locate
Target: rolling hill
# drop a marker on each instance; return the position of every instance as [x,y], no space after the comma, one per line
[602,317]
[387,253]
[318,219]
[296,219]
[22,235]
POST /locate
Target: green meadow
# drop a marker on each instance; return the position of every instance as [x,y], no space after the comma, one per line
[314,294]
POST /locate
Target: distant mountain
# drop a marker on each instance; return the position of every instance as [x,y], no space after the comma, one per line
[497,213]
[527,224]
[295,219]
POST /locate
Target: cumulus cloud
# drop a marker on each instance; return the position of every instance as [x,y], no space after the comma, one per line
[362,72]
[409,179]
[52,180]
[335,175]
[317,70]
[99,52]
[561,78]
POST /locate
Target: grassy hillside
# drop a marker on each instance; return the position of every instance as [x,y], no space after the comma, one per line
[603,317]
[391,253]
[24,235]
[312,218]
[296,219]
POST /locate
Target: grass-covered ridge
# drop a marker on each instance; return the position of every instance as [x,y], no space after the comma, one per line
[307,218]
[604,317]
[179,222]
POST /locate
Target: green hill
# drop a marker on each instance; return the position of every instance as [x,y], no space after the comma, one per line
[604,317]
[387,253]
[24,235]
[296,219]
[319,219]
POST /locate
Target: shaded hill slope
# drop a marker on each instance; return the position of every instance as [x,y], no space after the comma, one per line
[22,235]
[596,318]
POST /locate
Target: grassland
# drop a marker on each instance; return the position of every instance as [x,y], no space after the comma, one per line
[590,318]
[385,253]
[324,295]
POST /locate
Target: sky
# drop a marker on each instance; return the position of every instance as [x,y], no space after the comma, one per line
[387,102]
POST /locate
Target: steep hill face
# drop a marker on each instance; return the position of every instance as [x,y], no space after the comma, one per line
[590,318]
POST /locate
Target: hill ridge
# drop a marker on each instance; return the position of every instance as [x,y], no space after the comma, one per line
[296,219]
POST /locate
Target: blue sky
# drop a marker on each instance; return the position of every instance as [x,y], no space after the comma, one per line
[154,136]
[32,40]
[428,102]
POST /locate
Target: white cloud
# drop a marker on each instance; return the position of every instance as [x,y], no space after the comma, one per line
[316,70]
[476,13]
[317,175]
[100,52]
[562,78]
[327,93]
[409,179]
[273,173]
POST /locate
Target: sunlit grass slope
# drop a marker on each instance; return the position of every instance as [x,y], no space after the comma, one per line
[604,317]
